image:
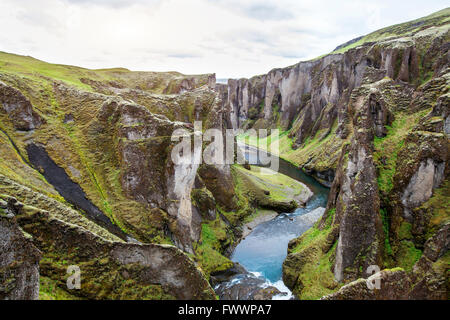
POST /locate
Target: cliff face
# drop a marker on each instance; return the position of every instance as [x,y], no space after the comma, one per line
[19,259]
[371,121]
[394,165]
[86,176]
[309,99]
[93,149]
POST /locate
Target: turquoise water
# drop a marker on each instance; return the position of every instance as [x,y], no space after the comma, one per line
[264,250]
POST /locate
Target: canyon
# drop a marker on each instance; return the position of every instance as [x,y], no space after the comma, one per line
[87,179]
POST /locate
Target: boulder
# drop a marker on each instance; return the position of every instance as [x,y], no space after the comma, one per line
[19,261]
[18,108]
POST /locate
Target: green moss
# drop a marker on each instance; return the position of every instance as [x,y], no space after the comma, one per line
[324,147]
[438,206]
[385,220]
[404,232]
[208,250]
[403,29]
[407,255]
[387,148]
[330,217]
[50,290]
[315,276]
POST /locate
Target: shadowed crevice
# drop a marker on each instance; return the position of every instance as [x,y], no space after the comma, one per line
[68,189]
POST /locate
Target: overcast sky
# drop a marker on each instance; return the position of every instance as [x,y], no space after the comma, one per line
[233,38]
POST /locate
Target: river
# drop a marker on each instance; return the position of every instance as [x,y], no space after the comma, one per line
[263,251]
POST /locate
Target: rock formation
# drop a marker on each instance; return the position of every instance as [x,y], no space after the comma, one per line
[371,122]
[87,175]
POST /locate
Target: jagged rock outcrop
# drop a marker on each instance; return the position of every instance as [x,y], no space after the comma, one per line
[148,173]
[372,122]
[111,158]
[110,270]
[428,279]
[18,108]
[383,206]
[393,286]
[357,204]
[310,98]
[19,258]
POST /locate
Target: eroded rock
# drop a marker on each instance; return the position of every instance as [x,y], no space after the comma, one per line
[19,261]
[112,270]
[19,108]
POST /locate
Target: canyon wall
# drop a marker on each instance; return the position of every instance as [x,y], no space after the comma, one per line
[372,123]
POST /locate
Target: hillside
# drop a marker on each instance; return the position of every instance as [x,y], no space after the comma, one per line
[86,176]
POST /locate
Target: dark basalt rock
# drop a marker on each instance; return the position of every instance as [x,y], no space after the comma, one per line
[19,109]
[226,275]
[19,260]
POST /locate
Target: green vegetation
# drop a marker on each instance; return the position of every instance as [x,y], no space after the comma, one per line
[208,250]
[50,290]
[315,277]
[407,255]
[324,147]
[436,19]
[90,80]
[268,189]
[40,70]
[438,208]
[277,183]
[387,148]
[384,218]
[87,155]
[268,142]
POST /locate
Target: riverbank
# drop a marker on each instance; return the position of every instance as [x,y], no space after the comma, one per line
[261,216]
[265,236]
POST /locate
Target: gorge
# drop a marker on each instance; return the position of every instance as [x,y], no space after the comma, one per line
[87,178]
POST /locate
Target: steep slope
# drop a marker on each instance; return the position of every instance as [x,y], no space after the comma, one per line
[371,121]
[92,148]
[86,176]
[77,145]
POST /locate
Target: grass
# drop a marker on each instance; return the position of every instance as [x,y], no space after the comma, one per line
[268,143]
[208,250]
[315,278]
[388,147]
[436,19]
[407,255]
[29,67]
[281,188]
[323,148]
[385,221]
[37,69]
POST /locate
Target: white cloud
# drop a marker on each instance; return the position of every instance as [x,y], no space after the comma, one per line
[230,37]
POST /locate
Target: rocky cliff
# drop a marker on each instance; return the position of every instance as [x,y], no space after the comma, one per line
[371,121]
[86,176]
[90,150]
